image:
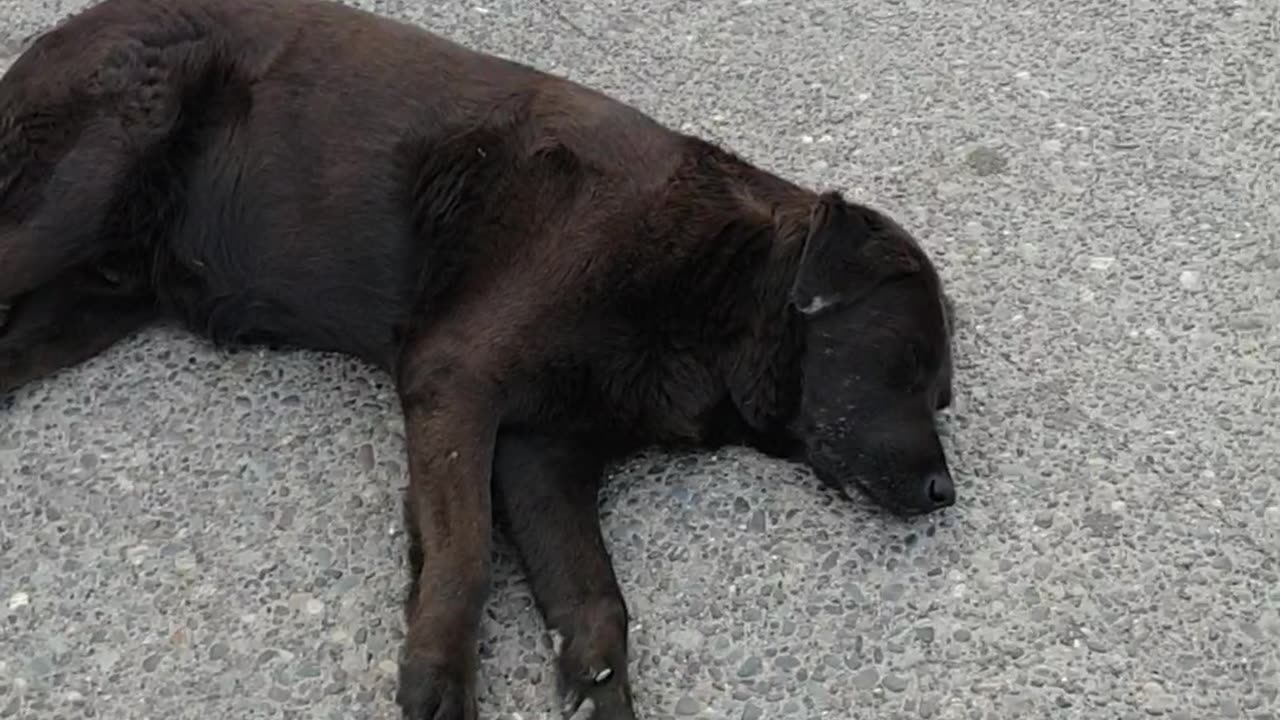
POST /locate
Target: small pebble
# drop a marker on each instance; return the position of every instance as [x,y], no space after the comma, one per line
[1248,322]
[866,678]
[986,161]
[687,705]
[750,667]
[686,639]
[279,694]
[364,456]
[1160,702]
[787,663]
[895,683]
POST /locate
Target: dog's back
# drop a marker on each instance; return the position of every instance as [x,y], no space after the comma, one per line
[301,172]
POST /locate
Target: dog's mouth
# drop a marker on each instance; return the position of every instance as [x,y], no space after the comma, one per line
[850,485]
[880,499]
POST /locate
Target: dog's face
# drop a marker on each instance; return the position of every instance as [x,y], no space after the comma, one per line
[877,361]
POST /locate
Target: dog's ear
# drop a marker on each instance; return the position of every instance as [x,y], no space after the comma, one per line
[849,250]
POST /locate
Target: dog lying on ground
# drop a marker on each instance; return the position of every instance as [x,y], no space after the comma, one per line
[552,278]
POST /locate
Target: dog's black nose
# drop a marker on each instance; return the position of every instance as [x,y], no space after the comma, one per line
[940,489]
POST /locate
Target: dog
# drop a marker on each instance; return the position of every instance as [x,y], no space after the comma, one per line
[552,278]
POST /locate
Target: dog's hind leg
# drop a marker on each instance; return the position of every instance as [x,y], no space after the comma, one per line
[64,323]
[547,493]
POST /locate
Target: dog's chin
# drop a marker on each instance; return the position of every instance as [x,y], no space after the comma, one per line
[850,489]
[880,499]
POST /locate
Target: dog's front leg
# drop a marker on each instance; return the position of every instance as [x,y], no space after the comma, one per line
[546,488]
[450,427]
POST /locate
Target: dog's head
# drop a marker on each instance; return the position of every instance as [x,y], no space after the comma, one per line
[877,360]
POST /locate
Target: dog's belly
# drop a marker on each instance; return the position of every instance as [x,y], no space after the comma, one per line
[266,254]
[305,313]
[304,308]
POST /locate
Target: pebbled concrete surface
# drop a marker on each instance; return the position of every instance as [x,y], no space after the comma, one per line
[189,534]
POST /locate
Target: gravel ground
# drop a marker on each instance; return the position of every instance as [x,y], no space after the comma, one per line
[192,534]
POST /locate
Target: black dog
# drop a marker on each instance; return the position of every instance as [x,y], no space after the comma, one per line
[553,278]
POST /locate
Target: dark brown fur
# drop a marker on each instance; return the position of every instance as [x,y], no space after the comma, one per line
[553,278]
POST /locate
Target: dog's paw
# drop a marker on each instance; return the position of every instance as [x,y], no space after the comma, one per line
[597,705]
[435,691]
[594,693]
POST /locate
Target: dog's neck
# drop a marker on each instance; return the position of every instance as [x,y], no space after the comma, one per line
[764,378]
